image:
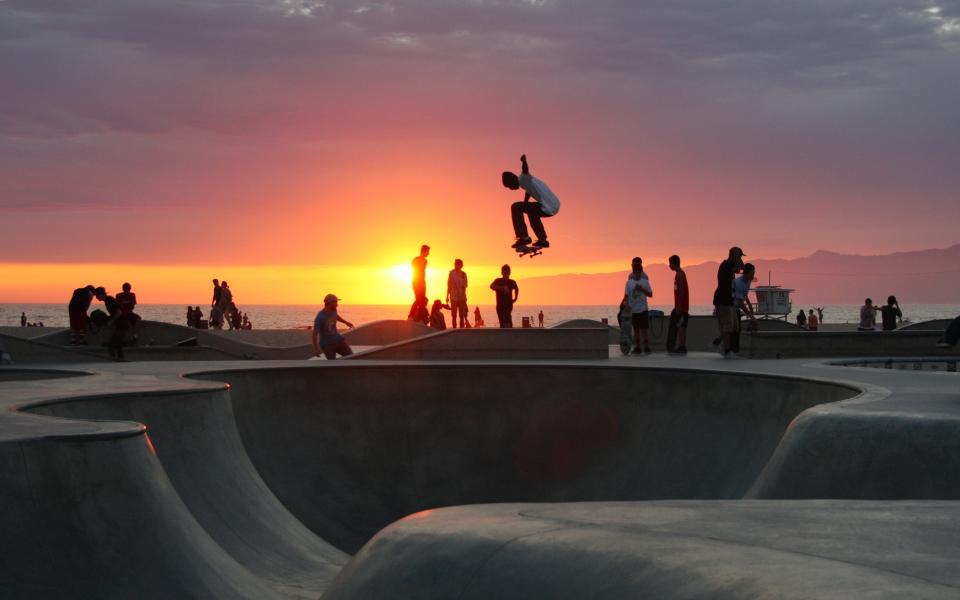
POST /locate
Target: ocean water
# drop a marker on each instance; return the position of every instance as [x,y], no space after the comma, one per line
[291,316]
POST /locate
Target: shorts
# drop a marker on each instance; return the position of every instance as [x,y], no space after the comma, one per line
[640,320]
[78,320]
[679,319]
[727,317]
[332,350]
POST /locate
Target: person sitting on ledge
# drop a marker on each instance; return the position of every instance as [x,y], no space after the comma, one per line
[868,316]
[891,313]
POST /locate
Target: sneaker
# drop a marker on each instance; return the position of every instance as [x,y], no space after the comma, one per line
[680,350]
[521,242]
[943,344]
[647,350]
[541,244]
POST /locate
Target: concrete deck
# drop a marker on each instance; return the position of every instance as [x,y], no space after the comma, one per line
[258,479]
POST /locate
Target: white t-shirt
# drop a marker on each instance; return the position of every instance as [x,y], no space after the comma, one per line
[741,288]
[634,291]
[539,191]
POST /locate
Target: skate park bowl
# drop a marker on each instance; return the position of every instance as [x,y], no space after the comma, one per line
[261,481]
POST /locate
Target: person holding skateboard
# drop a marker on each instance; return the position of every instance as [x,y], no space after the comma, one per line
[545,204]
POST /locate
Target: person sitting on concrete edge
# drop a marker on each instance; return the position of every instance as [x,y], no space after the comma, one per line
[545,204]
[868,316]
[636,292]
[680,315]
[325,337]
[891,314]
[813,323]
[437,320]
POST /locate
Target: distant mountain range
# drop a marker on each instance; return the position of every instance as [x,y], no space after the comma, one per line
[824,277]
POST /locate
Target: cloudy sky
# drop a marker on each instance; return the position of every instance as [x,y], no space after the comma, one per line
[336,134]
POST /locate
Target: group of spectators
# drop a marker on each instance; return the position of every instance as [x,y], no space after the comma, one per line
[223,310]
[731,302]
[812,322]
[890,315]
[456,299]
[117,313]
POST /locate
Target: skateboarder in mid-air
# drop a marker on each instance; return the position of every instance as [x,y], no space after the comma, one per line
[545,204]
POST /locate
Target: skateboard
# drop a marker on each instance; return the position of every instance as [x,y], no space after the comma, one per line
[530,251]
[672,333]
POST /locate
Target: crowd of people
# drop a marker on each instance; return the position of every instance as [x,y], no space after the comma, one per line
[117,314]
[505,290]
[223,311]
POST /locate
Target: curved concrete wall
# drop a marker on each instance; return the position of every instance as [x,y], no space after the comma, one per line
[349,451]
[196,441]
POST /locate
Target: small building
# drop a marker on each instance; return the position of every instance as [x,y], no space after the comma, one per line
[773,301]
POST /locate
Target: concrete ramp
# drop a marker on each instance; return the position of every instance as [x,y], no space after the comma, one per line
[196,440]
[97,517]
[678,550]
[386,441]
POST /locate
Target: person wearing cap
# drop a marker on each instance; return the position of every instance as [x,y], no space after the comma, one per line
[723,302]
[635,295]
[325,337]
[418,267]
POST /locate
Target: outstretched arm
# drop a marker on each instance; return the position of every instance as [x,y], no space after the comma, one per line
[523,164]
[345,322]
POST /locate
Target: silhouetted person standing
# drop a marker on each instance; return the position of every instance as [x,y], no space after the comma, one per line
[723,299]
[507,294]
[457,293]
[545,204]
[635,293]
[418,268]
[216,294]
[680,315]
[77,310]
[540,319]
[23,319]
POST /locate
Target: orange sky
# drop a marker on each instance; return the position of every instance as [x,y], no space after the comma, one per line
[299,148]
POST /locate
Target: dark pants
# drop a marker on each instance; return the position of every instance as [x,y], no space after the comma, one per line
[115,344]
[419,301]
[534,212]
[505,314]
[332,350]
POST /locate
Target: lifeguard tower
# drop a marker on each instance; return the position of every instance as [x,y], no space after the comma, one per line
[773,301]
